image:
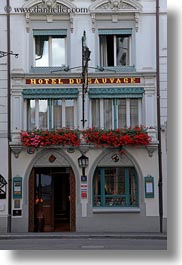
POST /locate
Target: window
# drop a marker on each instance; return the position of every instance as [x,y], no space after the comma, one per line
[115,113]
[51,113]
[115,187]
[50,48]
[115,47]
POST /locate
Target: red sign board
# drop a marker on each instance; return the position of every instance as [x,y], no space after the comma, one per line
[77,81]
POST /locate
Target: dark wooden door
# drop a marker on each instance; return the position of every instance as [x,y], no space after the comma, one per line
[54,189]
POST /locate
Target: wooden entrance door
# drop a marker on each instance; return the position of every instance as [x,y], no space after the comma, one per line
[54,190]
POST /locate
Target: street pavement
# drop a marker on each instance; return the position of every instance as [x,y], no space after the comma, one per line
[83,241]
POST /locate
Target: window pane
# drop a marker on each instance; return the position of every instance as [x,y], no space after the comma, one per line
[41,51]
[96,113]
[106,50]
[69,111]
[122,50]
[58,52]
[31,115]
[133,188]
[114,50]
[115,181]
[50,51]
[115,187]
[107,114]
[43,112]
[133,112]
[97,188]
[57,113]
[121,113]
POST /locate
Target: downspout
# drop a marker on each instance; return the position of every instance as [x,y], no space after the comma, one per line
[159,118]
[9,115]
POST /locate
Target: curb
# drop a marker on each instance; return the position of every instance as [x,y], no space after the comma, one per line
[76,236]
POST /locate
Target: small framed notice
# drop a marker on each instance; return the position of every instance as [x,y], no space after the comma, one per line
[17,187]
[149,187]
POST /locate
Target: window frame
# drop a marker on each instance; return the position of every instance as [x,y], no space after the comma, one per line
[115,112]
[116,32]
[125,196]
[50,33]
[50,117]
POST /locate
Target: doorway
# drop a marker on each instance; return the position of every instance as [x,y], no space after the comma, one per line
[52,198]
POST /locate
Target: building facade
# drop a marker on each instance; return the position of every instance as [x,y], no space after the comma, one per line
[85,69]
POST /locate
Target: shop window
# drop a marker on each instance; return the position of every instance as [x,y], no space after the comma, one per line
[50,48]
[115,187]
[51,114]
[115,48]
[115,113]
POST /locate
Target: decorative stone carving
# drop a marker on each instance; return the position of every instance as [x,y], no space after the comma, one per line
[113,157]
[115,5]
[47,157]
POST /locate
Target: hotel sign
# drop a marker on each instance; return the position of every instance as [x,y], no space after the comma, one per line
[78,81]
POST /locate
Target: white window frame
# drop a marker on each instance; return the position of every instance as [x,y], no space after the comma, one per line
[37,125]
[128,122]
[103,51]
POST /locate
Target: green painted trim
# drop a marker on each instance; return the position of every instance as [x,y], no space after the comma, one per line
[54,93]
[47,32]
[115,113]
[127,187]
[115,31]
[102,186]
[50,113]
[116,92]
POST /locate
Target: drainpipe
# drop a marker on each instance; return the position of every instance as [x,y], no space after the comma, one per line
[159,118]
[9,115]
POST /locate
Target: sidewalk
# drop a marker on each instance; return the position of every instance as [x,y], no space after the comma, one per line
[58,235]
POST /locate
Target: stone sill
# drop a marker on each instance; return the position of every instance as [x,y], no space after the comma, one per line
[116,210]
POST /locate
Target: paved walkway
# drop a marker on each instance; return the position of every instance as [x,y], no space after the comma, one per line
[162,236]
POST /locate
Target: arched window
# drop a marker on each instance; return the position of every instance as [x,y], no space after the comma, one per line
[115,187]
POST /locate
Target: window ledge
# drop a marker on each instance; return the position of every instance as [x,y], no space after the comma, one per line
[116,210]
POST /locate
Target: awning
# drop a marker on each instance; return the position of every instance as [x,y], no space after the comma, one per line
[116,92]
[54,93]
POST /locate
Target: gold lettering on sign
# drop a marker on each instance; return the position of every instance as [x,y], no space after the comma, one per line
[78,80]
[104,80]
[46,81]
[125,80]
[133,80]
[89,81]
[60,82]
[54,81]
[33,81]
[71,81]
[96,81]
[40,81]
[111,80]
[118,81]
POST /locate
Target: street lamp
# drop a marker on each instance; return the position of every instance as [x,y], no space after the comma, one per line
[85,59]
[83,163]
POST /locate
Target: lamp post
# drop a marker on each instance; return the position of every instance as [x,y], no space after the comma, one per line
[85,58]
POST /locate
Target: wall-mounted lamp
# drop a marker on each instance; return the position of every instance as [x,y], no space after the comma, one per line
[83,161]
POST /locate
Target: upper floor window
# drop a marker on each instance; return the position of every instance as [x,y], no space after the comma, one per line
[50,48]
[116,113]
[51,113]
[115,47]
